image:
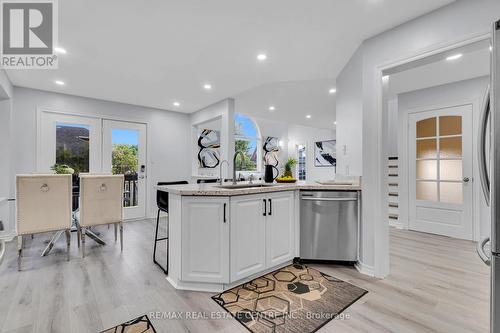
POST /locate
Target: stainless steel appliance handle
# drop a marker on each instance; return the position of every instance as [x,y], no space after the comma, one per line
[330,199]
[481,252]
[483,171]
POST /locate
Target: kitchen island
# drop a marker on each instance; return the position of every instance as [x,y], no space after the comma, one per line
[220,237]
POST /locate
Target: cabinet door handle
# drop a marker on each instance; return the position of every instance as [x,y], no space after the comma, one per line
[270,207]
[265,207]
[225,212]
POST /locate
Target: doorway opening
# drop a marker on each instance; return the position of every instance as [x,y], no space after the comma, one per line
[433,202]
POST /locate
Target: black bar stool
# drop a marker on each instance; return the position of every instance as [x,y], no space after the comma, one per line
[162,203]
[206,181]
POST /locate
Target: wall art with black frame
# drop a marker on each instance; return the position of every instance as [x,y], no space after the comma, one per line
[325,153]
[271,148]
[209,149]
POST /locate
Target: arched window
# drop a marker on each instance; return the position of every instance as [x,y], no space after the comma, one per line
[247,140]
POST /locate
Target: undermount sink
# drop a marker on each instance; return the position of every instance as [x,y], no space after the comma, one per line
[239,186]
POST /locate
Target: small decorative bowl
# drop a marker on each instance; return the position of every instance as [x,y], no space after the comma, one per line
[285,181]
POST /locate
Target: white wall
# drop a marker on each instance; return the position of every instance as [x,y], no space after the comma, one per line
[464,92]
[309,135]
[456,22]
[168,133]
[350,116]
[6,208]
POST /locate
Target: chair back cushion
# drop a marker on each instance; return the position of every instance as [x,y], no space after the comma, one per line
[101,199]
[162,196]
[43,203]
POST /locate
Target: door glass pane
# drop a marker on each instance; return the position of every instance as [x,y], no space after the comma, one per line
[427,148]
[427,170]
[302,162]
[125,161]
[72,146]
[426,128]
[450,125]
[451,193]
[427,191]
[450,169]
[450,147]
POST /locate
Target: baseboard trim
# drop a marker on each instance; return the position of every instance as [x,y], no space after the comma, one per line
[8,237]
[365,269]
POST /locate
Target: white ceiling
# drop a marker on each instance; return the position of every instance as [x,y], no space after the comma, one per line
[155,52]
[293,100]
[475,62]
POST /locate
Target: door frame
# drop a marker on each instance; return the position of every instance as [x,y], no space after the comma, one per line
[381,256]
[404,167]
[38,150]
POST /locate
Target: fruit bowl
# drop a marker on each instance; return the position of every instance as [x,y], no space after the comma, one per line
[286,180]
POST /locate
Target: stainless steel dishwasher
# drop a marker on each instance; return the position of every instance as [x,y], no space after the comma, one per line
[329,225]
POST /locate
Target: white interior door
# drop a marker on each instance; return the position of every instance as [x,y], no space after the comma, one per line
[440,171]
[124,152]
[67,139]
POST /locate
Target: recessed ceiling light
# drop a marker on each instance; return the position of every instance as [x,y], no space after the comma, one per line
[59,82]
[491,48]
[308,116]
[454,57]
[332,91]
[272,108]
[385,78]
[335,122]
[176,104]
[261,57]
[60,50]
[207,86]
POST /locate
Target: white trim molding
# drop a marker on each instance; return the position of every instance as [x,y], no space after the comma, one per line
[365,269]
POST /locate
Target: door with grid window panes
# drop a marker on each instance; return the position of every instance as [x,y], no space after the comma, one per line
[440,171]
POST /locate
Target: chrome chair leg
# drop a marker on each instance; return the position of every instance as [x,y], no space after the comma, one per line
[19,251]
[116,231]
[78,234]
[68,241]
[121,236]
[83,242]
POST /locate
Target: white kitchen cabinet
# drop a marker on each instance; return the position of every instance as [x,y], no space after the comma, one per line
[205,239]
[280,228]
[262,232]
[248,236]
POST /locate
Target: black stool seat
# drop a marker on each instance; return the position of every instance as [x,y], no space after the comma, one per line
[162,203]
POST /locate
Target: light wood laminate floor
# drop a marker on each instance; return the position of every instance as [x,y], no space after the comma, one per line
[437,284]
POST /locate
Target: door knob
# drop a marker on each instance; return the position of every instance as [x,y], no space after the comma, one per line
[466,179]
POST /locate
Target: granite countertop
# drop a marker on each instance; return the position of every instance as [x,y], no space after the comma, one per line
[212,189]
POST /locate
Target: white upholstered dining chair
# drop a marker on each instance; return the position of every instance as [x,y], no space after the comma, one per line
[43,204]
[101,202]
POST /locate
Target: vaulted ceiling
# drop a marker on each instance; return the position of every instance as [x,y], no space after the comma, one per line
[157,52]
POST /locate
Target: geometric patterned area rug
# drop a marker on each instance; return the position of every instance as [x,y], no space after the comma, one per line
[295,298]
[137,325]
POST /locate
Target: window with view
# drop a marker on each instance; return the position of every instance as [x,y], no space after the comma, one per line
[72,146]
[247,141]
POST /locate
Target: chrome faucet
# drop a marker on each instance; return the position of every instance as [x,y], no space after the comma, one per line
[234,165]
[220,171]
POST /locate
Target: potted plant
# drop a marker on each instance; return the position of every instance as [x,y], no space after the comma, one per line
[62,169]
[287,176]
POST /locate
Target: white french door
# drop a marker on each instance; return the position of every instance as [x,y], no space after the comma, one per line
[95,145]
[68,140]
[124,152]
[440,171]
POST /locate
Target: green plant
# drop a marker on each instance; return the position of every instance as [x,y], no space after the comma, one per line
[290,163]
[62,169]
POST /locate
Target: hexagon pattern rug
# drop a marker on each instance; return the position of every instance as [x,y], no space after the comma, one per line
[137,325]
[295,298]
